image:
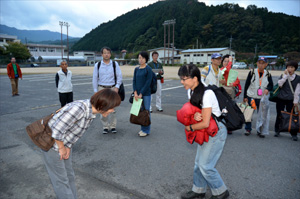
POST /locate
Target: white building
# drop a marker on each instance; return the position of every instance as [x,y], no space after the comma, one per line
[164,54]
[37,50]
[4,39]
[90,56]
[203,56]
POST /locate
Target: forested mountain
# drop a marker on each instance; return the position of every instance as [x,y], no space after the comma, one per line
[142,29]
[33,36]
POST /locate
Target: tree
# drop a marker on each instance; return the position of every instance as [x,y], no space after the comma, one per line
[17,50]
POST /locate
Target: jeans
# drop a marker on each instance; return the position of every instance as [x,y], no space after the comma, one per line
[206,159]
[248,125]
[61,174]
[147,102]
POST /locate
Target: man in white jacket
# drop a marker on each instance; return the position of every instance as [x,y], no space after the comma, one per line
[63,80]
[210,73]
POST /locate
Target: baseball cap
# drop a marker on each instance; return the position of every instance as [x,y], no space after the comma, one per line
[263,59]
[215,56]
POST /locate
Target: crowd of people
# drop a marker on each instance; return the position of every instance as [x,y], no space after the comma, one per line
[73,119]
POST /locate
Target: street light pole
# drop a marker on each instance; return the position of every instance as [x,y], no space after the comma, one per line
[61,24]
[67,25]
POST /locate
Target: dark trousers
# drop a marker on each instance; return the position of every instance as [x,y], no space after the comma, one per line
[283,105]
[65,98]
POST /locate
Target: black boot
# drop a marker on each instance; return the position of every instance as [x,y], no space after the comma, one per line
[191,194]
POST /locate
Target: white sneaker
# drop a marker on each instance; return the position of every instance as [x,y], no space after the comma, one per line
[160,109]
[142,134]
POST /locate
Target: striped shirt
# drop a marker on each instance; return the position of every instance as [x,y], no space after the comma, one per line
[70,123]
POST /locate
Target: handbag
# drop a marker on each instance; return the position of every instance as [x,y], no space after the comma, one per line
[143,117]
[40,133]
[247,111]
[274,93]
[289,121]
[131,98]
[121,92]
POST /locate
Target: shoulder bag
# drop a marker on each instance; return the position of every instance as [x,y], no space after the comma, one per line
[143,117]
[290,121]
[40,133]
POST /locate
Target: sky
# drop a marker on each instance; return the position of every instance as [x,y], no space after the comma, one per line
[83,16]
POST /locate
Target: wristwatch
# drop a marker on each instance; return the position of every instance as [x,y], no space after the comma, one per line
[191,128]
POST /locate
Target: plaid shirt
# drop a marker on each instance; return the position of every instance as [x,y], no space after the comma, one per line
[70,123]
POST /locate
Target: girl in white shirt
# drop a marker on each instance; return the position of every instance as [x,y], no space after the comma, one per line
[208,154]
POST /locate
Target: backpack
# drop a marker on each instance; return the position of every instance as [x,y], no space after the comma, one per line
[153,85]
[234,119]
[121,89]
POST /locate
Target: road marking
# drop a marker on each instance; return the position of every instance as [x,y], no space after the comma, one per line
[171,88]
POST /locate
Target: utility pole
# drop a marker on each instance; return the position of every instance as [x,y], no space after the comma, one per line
[169,22]
[61,25]
[67,25]
[230,40]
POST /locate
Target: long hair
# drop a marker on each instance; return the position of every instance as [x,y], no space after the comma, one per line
[105,99]
[192,71]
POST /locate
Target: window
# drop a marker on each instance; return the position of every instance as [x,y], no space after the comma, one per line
[50,49]
[208,54]
[191,62]
[198,62]
[187,55]
[202,55]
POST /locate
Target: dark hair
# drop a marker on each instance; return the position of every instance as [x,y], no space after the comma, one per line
[145,55]
[154,53]
[106,48]
[292,63]
[105,99]
[192,71]
[223,58]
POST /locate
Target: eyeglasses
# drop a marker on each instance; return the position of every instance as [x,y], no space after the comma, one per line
[183,79]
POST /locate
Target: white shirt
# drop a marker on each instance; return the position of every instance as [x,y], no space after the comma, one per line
[209,101]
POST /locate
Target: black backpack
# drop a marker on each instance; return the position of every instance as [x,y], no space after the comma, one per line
[153,83]
[234,119]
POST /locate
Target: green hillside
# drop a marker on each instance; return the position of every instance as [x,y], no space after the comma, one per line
[142,29]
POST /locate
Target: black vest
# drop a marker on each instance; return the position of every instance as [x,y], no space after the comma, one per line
[285,92]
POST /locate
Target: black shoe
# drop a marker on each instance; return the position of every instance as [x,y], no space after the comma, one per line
[261,136]
[113,130]
[221,196]
[294,138]
[105,131]
[247,132]
[17,94]
[276,134]
[191,194]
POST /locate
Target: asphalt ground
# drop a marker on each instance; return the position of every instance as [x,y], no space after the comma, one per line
[123,165]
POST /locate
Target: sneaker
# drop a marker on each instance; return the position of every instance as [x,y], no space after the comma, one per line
[142,134]
[276,134]
[247,132]
[221,196]
[17,94]
[160,110]
[191,194]
[294,138]
[113,130]
[105,131]
[260,135]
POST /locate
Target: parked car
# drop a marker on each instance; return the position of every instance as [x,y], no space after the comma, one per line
[239,65]
[34,65]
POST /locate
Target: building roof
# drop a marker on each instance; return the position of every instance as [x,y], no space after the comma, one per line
[205,50]
[161,48]
[45,45]
[8,36]
[59,57]
[269,56]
